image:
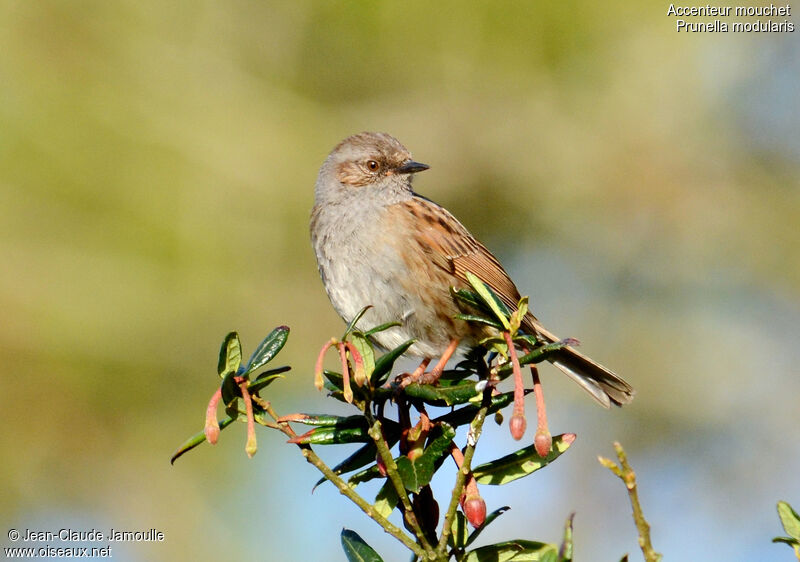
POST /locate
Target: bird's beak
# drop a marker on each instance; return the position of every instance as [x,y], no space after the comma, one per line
[411,167]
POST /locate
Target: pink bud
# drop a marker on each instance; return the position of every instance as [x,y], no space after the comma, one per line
[475,510]
[543,442]
[211,428]
[212,432]
[517,425]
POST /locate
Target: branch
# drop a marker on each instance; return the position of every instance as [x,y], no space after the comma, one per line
[346,490]
[394,476]
[472,439]
[626,474]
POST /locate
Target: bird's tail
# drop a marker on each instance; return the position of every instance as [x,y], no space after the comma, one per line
[604,385]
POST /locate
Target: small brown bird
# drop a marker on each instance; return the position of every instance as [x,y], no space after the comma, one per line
[378,243]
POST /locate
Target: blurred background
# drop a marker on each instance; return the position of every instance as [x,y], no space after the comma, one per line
[157,163]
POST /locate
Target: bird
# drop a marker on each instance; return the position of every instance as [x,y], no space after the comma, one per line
[380,244]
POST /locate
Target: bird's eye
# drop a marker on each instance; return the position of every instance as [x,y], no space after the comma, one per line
[373,165]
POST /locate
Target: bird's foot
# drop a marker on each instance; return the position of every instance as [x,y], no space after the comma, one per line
[431,377]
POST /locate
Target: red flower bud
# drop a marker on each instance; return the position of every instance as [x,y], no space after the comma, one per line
[474,509]
[517,425]
[543,442]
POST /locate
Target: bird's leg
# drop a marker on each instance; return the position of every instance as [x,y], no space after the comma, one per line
[406,379]
[420,370]
[434,374]
[420,376]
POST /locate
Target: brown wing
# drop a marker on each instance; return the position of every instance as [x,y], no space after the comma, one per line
[451,247]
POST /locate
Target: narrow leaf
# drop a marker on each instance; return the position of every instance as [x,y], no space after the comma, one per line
[356,549]
[489,519]
[326,420]
[267,349]
[230,355]
[332,436]
[520,463]
[230,388]
[362,457]
[490,298]
[517,550]
[387,499]
[565,552]
[364,348]
[787,540]
[352,325]
[195,440]
[381,328]
[384,364]
[469,298]
[266,379]
[538,355]
[467,413]
[418,473]
[789,519]
[458,532]
[479,320]
[444,395]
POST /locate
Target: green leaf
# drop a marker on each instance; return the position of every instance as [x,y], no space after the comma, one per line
[565,552]
[364,348]
[466,414]
[195,440]
[387,499]
[479,320]
[538,355]
[335,379]
[489,519]
[517,550]
[548,556]
[414,474]
[418,473]
[329,420]
[458,532]
[520,463]
[787,540]
[230,388]
[230,355]
[381,328]
[356,549]
[384,364]
[352,325]
[370,473]
[490,298]
[366,454]
[472,300]
[444,395]
[332,436]
[267,349]
[789,519]
[362,457]
[266,378]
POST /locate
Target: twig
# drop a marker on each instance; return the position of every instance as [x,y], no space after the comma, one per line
[346,490]
[472,439]
[376,433]
[626,474]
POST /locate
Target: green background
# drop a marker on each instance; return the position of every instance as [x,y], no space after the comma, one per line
[157,163]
